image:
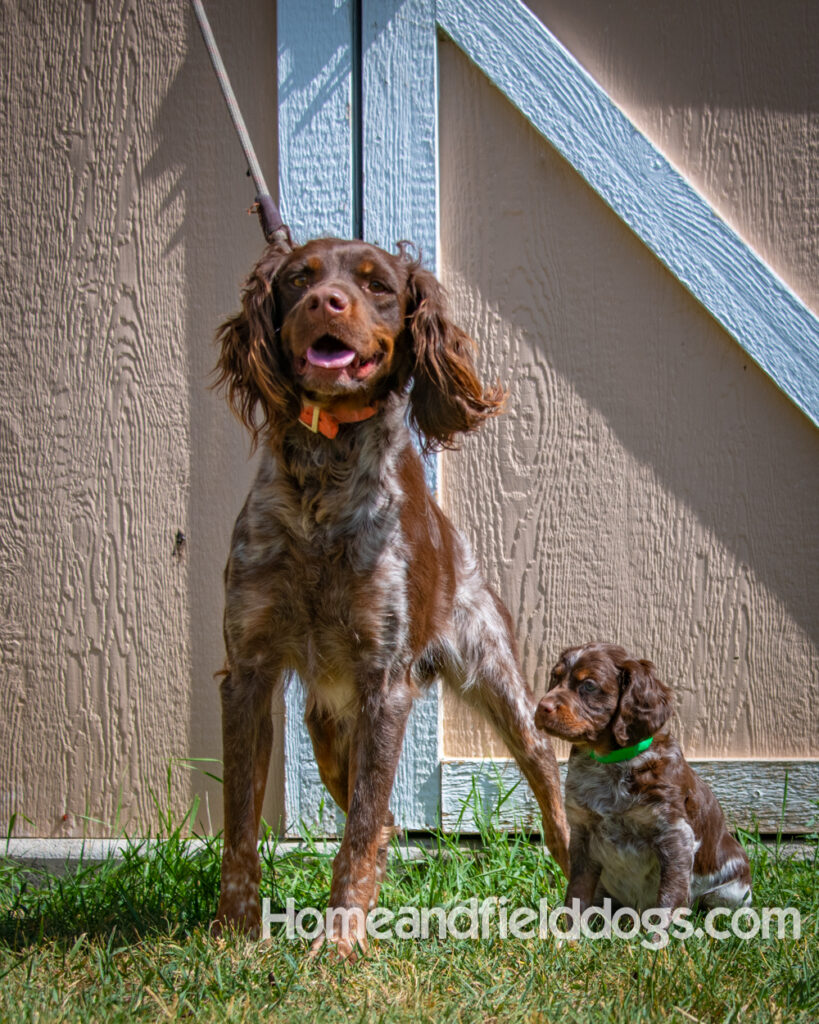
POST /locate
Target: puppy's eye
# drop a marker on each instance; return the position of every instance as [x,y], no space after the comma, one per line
[378,287]
[299,280]
[586,688]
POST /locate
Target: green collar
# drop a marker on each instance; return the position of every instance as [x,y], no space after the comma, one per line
[625,754]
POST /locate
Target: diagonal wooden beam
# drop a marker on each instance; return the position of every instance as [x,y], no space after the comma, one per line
[565,105]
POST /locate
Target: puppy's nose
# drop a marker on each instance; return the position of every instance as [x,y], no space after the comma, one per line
[331,301]
[545,709]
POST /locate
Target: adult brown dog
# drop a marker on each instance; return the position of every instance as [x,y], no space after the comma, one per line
[342,568]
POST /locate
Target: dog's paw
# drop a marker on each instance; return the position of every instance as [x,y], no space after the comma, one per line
[343,944]
[246,921]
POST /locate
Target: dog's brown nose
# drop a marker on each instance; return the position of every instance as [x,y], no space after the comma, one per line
[545,709]
[331,301]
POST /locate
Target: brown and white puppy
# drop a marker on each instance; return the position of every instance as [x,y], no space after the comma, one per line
[646,831]
[342,567]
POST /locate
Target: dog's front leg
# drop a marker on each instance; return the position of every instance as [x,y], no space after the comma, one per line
[376,747]
[585,871]
[247,737]
[675,852]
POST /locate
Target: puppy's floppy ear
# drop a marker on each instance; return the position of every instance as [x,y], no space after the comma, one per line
[446,397]
[251,367]
[645,702]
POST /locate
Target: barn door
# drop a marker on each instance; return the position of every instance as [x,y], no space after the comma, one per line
[360,156]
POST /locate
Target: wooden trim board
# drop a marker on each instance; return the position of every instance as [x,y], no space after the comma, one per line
[751,793]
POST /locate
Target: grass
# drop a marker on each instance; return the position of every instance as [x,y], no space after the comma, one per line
[127,941]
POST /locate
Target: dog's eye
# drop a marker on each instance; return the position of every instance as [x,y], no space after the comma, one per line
[378,287]
[299,280]
[586,688]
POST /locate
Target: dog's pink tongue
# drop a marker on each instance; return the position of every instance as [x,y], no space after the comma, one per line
[330,360]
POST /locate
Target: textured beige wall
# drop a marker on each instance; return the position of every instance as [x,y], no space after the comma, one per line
[649,484]
[123,242]
[730,93]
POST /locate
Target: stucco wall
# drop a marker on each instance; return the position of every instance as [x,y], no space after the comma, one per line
[124,240]
[648,483]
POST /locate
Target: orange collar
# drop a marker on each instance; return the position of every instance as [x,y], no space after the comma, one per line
[326,423]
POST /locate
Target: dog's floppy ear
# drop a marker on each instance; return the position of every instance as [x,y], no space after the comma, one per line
[446,397]
[250,368]
[645,702]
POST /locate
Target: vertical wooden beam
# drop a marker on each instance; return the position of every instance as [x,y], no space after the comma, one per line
[399,136]
[315,63]
[399,161]
[394,145]
[316,192]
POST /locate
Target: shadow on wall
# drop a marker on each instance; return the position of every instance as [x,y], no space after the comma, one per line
[618,358]
[679,393]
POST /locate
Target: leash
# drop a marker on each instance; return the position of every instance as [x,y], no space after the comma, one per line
[274,228]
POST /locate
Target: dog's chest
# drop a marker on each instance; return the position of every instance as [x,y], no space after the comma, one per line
[319,573]
[621,830]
